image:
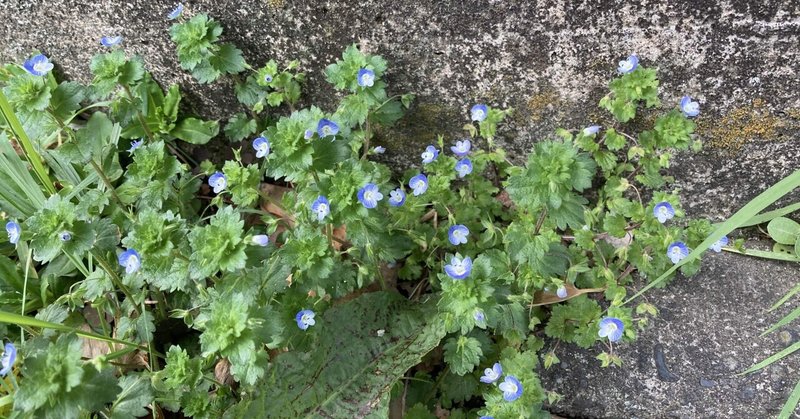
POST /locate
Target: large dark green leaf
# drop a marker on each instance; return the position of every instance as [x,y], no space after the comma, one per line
[352,367]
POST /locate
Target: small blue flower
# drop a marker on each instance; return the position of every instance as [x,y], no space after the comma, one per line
[430,154]
[326,127]
[461,148]
[130,260]
[418,184]
[397,197]
[561,292]
[463,167]
[308,134]
[267,78]
[663,211]
[677,251]
[261,145]
[612,328]
[486,417]
[321,207]
[176,12]
[717,247]
[134,145]
[14,231]
[366,77]
[511,388]
[459,268]
[8,359]
[627,66]
[260,240]
[479,112]
[65,236]
[111,41]
[591,130]
[458,234]
[480,317]
[38,65]
[689,107]
[379,150]
[304,319]
[493,374]
[369,195]
[218,181]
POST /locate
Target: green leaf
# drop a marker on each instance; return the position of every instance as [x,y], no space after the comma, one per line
[28,93]
[67,99]
[784,230]
[350,369]
[134,398]
[239,127]
[218,245]
[462,354]
[228,59]
[195,131]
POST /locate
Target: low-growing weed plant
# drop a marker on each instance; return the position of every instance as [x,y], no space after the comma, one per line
[312,282]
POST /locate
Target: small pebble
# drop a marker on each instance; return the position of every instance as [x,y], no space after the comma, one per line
[707,383]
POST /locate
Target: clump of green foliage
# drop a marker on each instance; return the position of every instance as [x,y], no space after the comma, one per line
[206,320]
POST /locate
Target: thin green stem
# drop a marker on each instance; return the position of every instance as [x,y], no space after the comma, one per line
[116,280]
[25,293]
[139,114]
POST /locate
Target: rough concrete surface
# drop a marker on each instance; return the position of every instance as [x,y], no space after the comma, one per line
[551,61]
[708,329]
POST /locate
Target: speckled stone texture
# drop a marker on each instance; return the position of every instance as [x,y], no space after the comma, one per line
[551,61]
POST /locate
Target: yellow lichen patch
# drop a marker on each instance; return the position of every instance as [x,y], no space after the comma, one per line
[540,103]
[276,4]
[742,125]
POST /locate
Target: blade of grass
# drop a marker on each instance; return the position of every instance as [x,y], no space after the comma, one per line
[784,321]
[756,205]
[786,297]
[764,254]
[769,215]
[29,151]
[13,318]
[791,404]
[771,359]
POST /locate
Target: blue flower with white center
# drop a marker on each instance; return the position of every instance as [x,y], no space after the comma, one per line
[397,197]
[627,66]
[459,268]
[65,236]
[326,127]
[111,41]
[561,292]
[321,208]
[690,107]
[511,388]
[463,167]
[14,231]
[304,319]
[267,78]
[612,328]
[379,150]
[493,374]
[218,181]
[591,130]
[134,145]
[677,251]
[430,154]
[461,148]
[38,65]
[260,240]
[261,145]
[418,184]
[719,244]
[8,359]
[369,195]
[130,260]
[308,134]
[479,112]
[458,234]
[663,211]
[366,77]
[176,12]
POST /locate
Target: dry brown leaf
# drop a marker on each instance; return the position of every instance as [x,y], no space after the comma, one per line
[543,298]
